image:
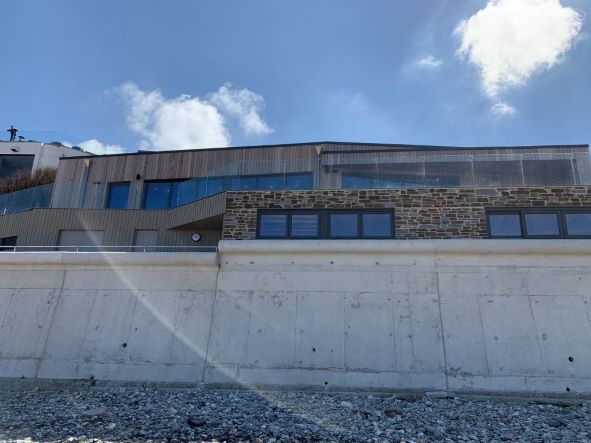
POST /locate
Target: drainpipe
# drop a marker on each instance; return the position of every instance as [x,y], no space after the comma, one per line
[318,160]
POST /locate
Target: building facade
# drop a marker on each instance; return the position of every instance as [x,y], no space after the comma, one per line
[321,190]
[31,156]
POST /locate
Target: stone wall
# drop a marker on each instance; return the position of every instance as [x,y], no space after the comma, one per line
[419,213]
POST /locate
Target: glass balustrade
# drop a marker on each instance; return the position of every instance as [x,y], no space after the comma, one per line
[350,170]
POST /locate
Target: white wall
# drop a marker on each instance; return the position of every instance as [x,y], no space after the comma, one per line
[46,155]
[451,314]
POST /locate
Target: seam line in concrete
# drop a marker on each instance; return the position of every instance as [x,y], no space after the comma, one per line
[211,320]
[446,371]
[58,300]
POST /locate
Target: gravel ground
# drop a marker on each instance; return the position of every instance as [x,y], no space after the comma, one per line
[149,414]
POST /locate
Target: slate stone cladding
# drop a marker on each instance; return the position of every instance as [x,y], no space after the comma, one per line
[419,213]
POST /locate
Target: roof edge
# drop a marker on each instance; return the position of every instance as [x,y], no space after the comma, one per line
[387,145]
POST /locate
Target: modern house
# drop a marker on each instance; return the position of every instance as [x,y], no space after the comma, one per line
[324,190]
[30,155]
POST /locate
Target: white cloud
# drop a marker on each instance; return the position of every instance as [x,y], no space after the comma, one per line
[429,62]
[187,122]
[96,147]
[244,105]
[502,109]
[509,40]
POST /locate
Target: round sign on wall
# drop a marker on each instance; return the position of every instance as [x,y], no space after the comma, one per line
[196,237]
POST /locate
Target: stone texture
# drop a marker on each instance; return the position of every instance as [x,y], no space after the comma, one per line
[431,213]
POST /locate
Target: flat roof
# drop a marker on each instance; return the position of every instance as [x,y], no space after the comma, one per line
[401,147]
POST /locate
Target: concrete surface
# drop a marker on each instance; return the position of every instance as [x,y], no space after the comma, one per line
[462,315]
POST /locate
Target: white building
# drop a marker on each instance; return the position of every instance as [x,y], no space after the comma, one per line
[31,155]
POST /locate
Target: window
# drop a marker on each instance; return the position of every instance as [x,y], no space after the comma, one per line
[12,163]
[325,223]
[271,182]
[539,223]
[298,181]
[304,226]
[158,195]
[118,193]
[542,224]
[505,225]
[343,225]
[578,224]
[377,225]
[351,181]
[171,193]
[273,226]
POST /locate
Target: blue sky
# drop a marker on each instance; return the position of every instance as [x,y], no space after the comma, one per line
[190,74]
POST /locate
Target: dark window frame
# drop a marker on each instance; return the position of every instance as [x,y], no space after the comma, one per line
[561,217]
[324,223]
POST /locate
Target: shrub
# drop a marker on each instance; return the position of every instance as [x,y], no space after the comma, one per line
[24,179]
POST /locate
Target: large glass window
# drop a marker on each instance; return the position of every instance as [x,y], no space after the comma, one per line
[215,185]
[505,225]
[10,164]
[377,225]
[159,195]
[298,181]
[270,182]
[352,181]
[245,183]
[578,224]
[168,194]
[542,224]
[118,194]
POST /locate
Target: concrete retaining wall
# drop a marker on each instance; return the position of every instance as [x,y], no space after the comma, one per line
[452,314]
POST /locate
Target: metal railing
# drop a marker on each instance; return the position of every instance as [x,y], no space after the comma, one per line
[116,249]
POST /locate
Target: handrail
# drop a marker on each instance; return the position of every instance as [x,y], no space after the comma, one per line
[119,249]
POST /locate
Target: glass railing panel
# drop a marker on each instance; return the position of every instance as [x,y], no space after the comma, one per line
[36,197]
[449,174]
[489,173]
[548,172]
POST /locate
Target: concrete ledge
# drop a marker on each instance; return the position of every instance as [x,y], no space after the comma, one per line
[110,258]
[463,246]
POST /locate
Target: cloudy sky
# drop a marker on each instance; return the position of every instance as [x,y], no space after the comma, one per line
[114,75]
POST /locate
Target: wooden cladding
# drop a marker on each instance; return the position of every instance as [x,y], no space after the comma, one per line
[188,164]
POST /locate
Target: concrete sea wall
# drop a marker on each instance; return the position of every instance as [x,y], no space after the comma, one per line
[483,315]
